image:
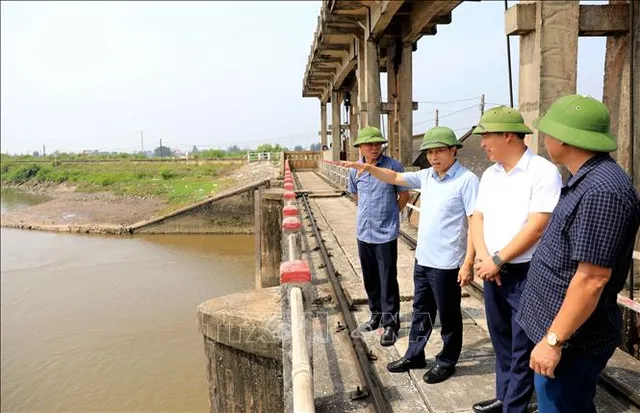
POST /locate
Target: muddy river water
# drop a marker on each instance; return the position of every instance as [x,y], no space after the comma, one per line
[94,323]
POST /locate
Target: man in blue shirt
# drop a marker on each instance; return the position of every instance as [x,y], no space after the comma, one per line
[444,253]
[568,307]
[378,225]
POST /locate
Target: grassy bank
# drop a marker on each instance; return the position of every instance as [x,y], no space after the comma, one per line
[177,183]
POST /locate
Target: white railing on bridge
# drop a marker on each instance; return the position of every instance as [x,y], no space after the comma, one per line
[339,175]
[263,156]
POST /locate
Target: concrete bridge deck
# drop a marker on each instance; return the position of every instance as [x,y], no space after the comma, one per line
[334,362]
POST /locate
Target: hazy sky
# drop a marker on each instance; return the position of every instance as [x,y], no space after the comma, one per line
[92,75]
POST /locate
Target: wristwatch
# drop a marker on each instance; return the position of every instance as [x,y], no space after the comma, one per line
[552,339]
[497,260]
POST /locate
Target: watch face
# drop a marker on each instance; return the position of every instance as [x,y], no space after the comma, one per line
[496,260]
[552,339]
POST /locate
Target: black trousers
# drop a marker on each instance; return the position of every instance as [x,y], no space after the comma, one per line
[380,275]
[514,378]
[436,291]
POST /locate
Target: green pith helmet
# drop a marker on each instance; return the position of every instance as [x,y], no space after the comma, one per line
[579,121]
[439,137]
[501,119]
[369,134]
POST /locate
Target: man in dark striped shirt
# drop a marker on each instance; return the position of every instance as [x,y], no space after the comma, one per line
[568,307]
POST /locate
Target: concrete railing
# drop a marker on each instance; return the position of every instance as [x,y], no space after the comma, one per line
[295,293]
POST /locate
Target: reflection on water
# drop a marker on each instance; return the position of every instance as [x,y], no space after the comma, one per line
[103,323]
[12,199]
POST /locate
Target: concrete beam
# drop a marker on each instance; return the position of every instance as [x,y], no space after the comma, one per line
[340,30]
[333,47]
[346,67]
[594,20]
[424,15]
[604,20]
[387,107]
[382,13]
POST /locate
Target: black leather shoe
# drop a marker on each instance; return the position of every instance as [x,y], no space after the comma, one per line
[438,374]
[488,406]
[370,325]
[403,365]
[388,337]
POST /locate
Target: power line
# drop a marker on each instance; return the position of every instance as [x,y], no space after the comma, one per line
[447,102]
[445,115]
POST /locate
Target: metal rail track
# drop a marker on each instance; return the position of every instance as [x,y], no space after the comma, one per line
[365,372]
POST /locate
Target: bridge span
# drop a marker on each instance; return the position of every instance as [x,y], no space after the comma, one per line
[249,336]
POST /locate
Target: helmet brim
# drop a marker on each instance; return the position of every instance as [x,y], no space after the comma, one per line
[434,145]
[501,128]
[583,139]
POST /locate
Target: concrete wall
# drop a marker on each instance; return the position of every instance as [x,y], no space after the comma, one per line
[230,213]
[243,349]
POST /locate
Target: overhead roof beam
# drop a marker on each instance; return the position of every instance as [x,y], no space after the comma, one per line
[425,14]
[381,14]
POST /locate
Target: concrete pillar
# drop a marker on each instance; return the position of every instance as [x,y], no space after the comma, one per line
[243,350]
[362,84]
[268,233]
[617,96]
[335,125]
[392,98]
[352,153]
[548,60]
[405,113]
[323,124]
[372,80]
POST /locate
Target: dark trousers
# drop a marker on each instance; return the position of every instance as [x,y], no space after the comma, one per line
[574,386]
[514,378]
[380,274]
[436,291]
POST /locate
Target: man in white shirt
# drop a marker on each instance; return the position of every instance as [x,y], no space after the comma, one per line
[515,200]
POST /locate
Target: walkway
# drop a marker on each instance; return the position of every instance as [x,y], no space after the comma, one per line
[405,392]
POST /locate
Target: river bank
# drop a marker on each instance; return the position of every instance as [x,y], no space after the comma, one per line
[68,208]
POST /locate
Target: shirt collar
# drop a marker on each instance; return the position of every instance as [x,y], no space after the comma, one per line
[587,167]
[451,172]
[522,164]
[379,161]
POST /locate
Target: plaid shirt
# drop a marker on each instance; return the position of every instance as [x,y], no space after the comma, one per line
[378,219]
[596,221]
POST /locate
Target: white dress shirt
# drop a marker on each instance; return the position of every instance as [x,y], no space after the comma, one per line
[507,199]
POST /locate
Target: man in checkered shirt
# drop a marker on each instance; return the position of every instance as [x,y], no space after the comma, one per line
[568,307]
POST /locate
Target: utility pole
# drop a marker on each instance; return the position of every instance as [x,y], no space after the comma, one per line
[482,105]
[437,120]
[161,150]
[141,142]
[44,153]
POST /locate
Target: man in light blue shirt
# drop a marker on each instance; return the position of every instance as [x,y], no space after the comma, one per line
[378,225]
[444,254]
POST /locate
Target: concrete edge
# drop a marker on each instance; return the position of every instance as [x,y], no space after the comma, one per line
[209,200]
[250,321]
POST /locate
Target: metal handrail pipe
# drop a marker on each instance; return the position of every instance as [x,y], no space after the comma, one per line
[301,376]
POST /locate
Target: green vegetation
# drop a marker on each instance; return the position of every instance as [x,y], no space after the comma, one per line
[175,182]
